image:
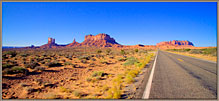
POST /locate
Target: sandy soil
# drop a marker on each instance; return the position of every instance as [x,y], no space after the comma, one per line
[68,81]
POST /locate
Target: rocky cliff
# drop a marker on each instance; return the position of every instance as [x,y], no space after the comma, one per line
[73,44]
[51,44]
[175,43]
[104,40]
[100,40]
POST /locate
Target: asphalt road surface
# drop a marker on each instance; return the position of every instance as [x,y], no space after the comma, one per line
[181,77]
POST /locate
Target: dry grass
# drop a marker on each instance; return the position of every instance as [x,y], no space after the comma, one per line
[201,56]
[76,73]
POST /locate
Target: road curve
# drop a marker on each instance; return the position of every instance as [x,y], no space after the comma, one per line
[181,77]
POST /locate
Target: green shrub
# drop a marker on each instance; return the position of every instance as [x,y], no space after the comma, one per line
[122,59]
[75,66]
[196,51]
[4,56]
[129,79]
[84,57]
[98,78]
[12,53]
[187,50]
[123,52]
[136,50]
[31,65]
[62,89]
[24,54]
[67,63]
[130,61]
[53,64]
[104,62]
[4,66]
[88,79]
[99,51]
[15,70]
[139,64]
[38,68]
[77,93]
[210,51]
[98,74]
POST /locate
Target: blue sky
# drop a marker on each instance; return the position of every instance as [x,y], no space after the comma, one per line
[129,23]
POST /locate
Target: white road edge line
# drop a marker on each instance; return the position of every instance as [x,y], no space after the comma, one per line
[148,86]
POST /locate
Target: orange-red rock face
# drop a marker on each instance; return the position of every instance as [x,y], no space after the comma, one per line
[104,40]
[100,40]
[174,44]
[51,41]
[51,44]
[73,44]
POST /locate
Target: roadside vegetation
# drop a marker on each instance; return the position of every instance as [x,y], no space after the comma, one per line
[206,53]
[71,73]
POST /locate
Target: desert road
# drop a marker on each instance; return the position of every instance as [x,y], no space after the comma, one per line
[181,77]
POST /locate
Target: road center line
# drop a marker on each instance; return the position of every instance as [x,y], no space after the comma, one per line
[180,59]
[148,86]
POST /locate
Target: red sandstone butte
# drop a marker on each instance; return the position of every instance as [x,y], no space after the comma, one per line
[175,44]
[51,44]
[100,40]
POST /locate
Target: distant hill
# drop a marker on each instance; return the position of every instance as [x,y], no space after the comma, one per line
[175,44]
[7,47]
[104,40]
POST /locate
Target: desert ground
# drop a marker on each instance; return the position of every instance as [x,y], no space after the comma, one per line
[71,73]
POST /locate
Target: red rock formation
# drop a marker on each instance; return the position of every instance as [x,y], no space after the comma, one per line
[51,41]
[73,44]
[174,44]
[51,44]
[104,40]
[100,40]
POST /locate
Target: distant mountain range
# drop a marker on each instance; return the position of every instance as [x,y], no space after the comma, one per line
[6,47]
[104,40]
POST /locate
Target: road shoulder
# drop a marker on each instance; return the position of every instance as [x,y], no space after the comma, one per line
[136,90]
